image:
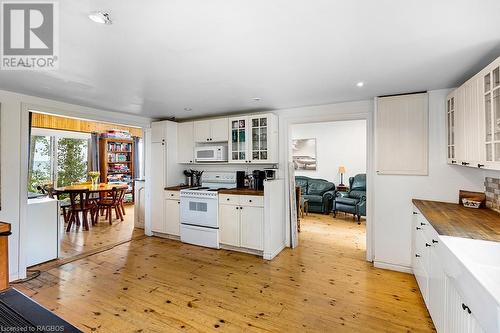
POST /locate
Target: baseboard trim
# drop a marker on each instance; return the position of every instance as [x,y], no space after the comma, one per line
[270,256]
[241,249]
[167,236]
[392,267]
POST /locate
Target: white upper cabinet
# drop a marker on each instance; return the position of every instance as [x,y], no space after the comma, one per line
[450,128]
[212,130]
[253,139]
[491,106]
[185,140]
[473,120]
[219,130]
[402,135]
[158,132]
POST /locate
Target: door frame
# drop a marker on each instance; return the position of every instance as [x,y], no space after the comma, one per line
[285,127]
[64,110]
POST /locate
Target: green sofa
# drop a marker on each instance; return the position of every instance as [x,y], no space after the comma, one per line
[319,192]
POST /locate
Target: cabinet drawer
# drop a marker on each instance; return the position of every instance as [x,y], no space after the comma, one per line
[229,199]
[252,201]
[172,195]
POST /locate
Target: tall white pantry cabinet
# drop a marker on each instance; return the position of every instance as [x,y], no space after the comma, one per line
[473,121]
[165,171]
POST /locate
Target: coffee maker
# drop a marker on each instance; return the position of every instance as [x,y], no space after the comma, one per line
[259,176]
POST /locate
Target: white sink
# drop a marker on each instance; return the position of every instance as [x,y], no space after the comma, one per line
[477,272]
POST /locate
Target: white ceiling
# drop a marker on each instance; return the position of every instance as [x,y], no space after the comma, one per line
[161,56]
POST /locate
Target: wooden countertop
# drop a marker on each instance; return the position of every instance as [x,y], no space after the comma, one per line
[241,191]
[4,227]
[455,220]
[177,188]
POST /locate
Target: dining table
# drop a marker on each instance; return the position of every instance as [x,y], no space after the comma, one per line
[103,187]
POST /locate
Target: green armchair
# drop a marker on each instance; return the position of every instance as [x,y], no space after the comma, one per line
[354,201]
[319,192]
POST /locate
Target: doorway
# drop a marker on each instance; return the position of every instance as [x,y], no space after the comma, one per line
[336,114]
[83,179]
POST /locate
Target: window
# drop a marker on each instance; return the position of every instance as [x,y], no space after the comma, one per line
[57,157]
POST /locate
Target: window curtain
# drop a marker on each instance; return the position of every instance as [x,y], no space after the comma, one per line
[137,169]
[94,152]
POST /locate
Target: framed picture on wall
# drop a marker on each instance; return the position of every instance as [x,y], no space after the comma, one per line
[304,154]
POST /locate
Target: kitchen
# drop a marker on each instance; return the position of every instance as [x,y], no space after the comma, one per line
[208,194]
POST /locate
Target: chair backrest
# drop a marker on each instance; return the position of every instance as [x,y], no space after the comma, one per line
[116,195]
[79,199]
[357,186]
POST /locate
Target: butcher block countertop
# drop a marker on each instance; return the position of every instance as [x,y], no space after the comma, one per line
[4,227]
[455,220]
[177,188]
[241,191]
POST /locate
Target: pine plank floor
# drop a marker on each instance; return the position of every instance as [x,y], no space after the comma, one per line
[159,285]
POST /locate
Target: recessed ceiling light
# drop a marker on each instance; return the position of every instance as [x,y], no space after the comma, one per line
[256,99]
[100,17]
[360,84]
[188,109]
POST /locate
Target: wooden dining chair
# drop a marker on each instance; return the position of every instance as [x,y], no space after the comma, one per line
[111,202]
[81,203]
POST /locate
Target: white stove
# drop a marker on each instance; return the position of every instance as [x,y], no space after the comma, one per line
[200,209]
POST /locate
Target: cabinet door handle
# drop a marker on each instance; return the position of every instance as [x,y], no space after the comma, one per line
[465,163]
[417,255]
[237,207]
[466,308]
[418,228]
[249,200]
[434,241]
[453,162]
[422,224]
[241,207]
[480,165]
[427,245]
[227,199]
[415,213]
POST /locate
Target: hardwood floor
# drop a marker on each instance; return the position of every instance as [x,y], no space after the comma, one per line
[78,241]
[159,285]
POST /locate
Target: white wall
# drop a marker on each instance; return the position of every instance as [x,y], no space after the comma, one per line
[14,158]
[393,194]
[337,143]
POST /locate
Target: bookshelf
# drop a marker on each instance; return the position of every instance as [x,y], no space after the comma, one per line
[116,158]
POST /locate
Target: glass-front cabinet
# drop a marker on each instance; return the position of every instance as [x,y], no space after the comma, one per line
[253,139]
[450,125]
[492,114]
[238,135]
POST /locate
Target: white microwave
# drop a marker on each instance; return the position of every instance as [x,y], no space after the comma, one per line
[210,154]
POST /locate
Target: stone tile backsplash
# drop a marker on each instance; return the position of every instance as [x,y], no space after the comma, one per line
[492,186]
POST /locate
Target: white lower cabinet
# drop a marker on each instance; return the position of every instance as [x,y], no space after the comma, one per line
[229,225]
[170,221]
[241,221]
[252,227]
[172,217]
[448,310]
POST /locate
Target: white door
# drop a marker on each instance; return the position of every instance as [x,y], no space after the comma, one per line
[158,153]
[172,221]
[219,130]
[229,225]
[202,131]
[238,140]
[185,142]
[252,227]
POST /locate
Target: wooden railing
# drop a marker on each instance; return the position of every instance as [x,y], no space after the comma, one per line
[4,255]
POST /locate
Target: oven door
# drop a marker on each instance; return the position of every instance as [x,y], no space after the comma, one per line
[206,154]
[202,212]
